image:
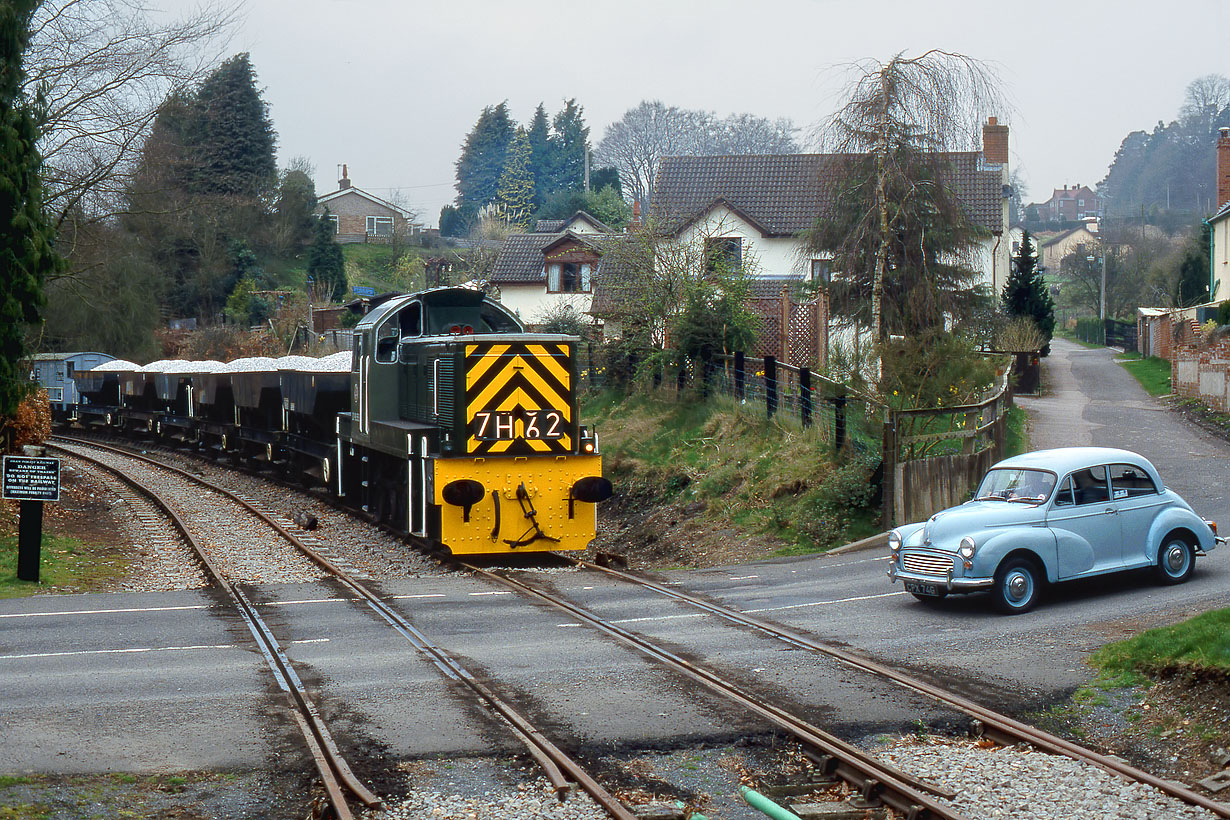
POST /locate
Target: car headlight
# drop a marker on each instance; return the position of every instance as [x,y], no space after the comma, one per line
[967,547]
[894,541]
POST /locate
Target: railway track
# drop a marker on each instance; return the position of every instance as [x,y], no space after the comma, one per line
[868,777]
[993,725]
[562,770]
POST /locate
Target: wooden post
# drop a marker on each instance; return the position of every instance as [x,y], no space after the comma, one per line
[888,455]
[783,335]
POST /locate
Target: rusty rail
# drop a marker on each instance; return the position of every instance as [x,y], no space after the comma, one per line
[557,765]
[995,725]
[872,778]
[335,772]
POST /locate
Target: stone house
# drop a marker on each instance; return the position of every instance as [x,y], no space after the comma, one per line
[361,217]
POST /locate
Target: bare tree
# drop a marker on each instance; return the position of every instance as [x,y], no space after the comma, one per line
[653,130]
[104,67]
[902,116]
[1205,97]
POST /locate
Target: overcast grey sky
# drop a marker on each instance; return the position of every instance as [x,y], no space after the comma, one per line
[392,87]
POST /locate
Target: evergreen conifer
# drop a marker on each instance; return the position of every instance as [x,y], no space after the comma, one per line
[26,253]
[1025,292]
[516,192]
[326,265]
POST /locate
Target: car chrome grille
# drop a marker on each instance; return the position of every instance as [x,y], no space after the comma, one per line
[926,564]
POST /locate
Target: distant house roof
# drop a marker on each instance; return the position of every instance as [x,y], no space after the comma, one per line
[784,194]
[324,200]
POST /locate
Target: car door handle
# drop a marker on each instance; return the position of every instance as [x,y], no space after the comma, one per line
[1110,510]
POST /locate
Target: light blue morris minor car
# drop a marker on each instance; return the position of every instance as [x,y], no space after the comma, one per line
[1047,516]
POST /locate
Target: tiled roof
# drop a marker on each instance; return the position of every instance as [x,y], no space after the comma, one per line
[786,193]
[1222,213]
[550,225]
[521,255]
[520,258]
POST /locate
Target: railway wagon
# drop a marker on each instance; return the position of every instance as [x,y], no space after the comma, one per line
[463,428]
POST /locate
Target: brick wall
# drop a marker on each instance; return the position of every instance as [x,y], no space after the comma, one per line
[1202,373]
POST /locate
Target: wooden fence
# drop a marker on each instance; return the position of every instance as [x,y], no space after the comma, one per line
[934,458]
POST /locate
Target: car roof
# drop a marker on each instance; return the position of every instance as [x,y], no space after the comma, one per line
[1066,459]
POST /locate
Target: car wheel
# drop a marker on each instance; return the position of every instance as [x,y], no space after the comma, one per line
[1175,561]
[1017,584]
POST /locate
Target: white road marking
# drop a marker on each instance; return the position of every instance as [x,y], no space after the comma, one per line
[742,577]
[140,650]
[422,595]
[118,651]
[825,603]
[494,592]
[655,618]
[104,611]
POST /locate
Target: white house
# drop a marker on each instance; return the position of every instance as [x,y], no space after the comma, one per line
[1219,273]
[552,266]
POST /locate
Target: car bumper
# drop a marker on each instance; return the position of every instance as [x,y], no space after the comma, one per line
[950,583]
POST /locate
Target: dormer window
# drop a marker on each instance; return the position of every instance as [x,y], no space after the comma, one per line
[568,277]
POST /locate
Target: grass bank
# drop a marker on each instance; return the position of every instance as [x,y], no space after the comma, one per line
[1152,373]
[724,464]
[1201,644]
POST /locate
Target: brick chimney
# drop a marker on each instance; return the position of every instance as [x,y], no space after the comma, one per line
[1223,168]
[344,182]
[994,142]
[635,223]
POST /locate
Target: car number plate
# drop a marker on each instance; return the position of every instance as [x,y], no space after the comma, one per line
[922,589]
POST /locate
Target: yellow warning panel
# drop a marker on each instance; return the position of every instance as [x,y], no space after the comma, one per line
[523,507]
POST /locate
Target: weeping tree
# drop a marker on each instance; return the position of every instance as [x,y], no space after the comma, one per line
[902,243]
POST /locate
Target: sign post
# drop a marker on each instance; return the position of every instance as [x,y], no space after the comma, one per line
[31,481]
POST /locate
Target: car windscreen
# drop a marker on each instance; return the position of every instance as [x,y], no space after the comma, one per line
[1016,484]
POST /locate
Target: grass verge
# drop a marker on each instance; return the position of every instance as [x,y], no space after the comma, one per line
[724,463]
[65,564]
[1152,373]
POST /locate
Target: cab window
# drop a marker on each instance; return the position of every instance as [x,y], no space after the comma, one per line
[387,336]
[1090,486]
[1130,481]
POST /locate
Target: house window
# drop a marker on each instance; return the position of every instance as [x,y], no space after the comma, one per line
[380,226]
[336,226]
[724,253]
[569,277]
[820,271]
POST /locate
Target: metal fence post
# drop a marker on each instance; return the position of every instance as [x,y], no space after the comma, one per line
[805,396]
[839,421]
[770,385]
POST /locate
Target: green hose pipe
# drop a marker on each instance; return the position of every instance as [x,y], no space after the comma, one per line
[679,804]
[766,806]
